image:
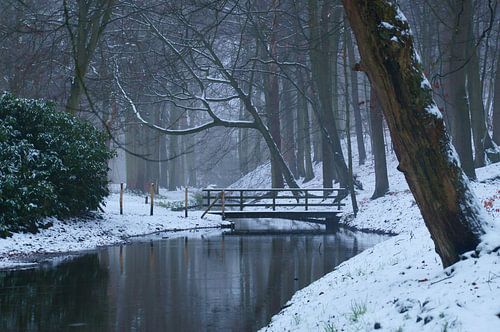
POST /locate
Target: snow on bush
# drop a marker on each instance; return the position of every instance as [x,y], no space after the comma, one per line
[51,164]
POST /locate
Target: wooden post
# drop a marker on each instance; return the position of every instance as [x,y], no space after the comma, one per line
[307,199]
[121,198]
[274,200]
[222,203]
[186,203]
[146,200]
[339,200]
[208,197]
[241,200]
[152,193]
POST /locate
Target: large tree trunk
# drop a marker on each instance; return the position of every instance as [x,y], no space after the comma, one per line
[355,102]
[455,97]
[378,147]
[425,154]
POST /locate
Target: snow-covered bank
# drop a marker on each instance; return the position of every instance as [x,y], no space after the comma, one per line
[400,285]
[110,228]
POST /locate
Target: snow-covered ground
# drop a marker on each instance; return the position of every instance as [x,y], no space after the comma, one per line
[110,228]
[400,285]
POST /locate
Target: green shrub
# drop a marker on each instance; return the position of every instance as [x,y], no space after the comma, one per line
[51,164]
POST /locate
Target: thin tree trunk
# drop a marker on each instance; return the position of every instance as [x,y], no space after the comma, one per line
[307,145]
[334,41]
[243,145]
[163,151]
[456,100]
[424,151]
[287,114]
[496,104]
[191,156]
[174,169]
[355,101]
[348,127]
[271,85]
[482,139]
[301,108]
[304,135]
[378,147]
[273,122]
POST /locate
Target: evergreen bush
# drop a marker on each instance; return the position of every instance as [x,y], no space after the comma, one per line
[51,164]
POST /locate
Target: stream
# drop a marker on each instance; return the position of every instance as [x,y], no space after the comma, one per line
[197,281]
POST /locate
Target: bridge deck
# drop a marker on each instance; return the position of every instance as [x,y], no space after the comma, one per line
[313,216]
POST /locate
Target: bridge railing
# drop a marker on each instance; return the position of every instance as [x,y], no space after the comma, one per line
[241,198]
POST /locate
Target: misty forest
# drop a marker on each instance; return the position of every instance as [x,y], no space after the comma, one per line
[244,165]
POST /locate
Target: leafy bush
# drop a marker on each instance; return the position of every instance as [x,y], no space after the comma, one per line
[51,164]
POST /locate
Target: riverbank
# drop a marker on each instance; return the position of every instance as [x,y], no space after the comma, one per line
[400,285]
[102,229]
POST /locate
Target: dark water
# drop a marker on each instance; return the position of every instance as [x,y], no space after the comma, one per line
[232,282]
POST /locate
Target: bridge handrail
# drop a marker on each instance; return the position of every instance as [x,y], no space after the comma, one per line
[221,193]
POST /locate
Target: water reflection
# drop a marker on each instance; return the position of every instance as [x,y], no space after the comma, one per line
[69,296]
[222,282]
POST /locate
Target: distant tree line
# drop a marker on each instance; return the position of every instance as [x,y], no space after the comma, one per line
[221,87]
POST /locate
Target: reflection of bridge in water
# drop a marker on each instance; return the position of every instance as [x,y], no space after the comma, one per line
[319,205]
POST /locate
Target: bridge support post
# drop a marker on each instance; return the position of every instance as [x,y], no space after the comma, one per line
[332,224]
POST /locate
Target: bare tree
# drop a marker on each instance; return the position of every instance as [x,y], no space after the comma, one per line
[204,78]
[91,20]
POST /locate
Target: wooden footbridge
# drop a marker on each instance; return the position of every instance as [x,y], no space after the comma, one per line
[319,205]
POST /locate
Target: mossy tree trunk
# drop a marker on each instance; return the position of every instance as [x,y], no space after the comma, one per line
[425,154]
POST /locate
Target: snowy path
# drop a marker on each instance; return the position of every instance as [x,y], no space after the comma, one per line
[112,228]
